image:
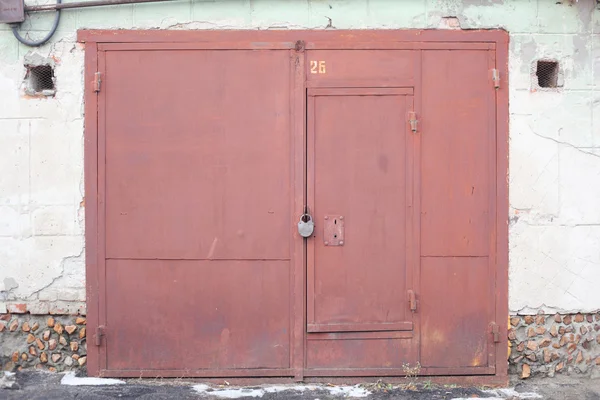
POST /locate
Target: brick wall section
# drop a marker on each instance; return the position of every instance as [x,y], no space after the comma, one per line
[53,343]
[59,307]
[546,345]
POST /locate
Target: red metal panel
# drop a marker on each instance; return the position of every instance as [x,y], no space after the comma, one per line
[198,211]
[413,200]
[101,202]
[298,177]
[359,91]
[363,64]
[454,312]
[241,45]
[357,168]
[358,327]
[502,207]
[239,376]
[455,163]
[393,45]
[358,354]
[360,335]
[197,314]
[308,36]
[457,209]
[200,169]
[270,117]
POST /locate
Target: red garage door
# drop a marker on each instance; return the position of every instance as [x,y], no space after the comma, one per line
[205,150]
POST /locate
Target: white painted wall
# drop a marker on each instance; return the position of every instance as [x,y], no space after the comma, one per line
[554,138]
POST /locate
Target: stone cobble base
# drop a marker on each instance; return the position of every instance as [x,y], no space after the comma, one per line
[546,345]
[52,342]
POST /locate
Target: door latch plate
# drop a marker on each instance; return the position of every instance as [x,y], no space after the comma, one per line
[333,227]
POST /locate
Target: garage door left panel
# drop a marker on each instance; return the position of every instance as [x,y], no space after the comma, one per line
[196,151]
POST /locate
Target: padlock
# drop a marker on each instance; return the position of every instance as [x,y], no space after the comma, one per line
[306,226]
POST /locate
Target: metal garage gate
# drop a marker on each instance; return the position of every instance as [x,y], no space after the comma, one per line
[204,152]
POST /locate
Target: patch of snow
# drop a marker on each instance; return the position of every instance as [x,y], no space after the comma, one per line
[512,393]
[8,381]
[486,398]
[236,393]
[72,380]
[297,388]
[348,391]
[504,394]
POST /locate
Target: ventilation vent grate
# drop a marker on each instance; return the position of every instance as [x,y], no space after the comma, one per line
[547,74]
[40,80]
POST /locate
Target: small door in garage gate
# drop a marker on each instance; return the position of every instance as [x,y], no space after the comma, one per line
[359,273]
[209,146]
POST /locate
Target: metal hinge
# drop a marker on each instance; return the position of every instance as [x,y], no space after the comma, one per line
[99,334]
[496,78]
[412,300]
[300,46]
[413,121]
[97,81]
[495,332]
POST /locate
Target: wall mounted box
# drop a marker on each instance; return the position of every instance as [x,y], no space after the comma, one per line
[12,11]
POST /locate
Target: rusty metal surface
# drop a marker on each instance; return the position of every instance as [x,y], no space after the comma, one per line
[339,356]
[360,327]
[202,185]
[188,174]
[333,230]
[457,210]
[357,168]
[370,65]
[312,38]
[455,156]
[454,312]
[197,210]
[198,314]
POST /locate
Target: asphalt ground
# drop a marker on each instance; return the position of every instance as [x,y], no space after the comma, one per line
[44,385]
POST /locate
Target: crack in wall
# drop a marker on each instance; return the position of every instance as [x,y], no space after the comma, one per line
[35,295]
[579,149]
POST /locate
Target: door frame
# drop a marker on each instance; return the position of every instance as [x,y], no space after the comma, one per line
[296,42]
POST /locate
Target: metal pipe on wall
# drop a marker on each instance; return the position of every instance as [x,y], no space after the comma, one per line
[81,4]
[61,6]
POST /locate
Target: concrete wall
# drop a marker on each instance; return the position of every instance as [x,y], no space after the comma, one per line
[554,137]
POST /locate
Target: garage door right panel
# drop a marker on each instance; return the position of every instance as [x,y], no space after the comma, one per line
[457,210]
